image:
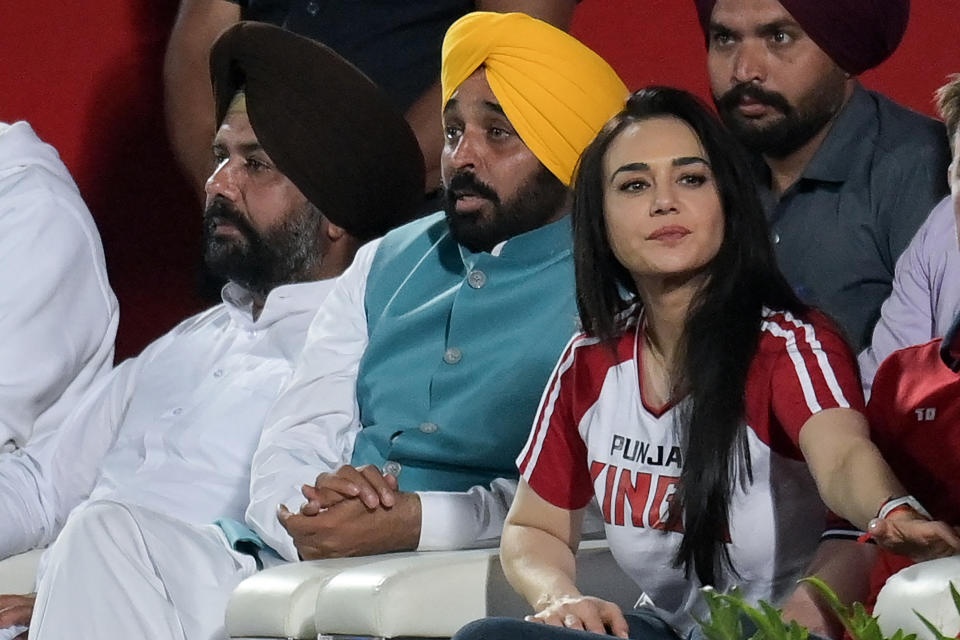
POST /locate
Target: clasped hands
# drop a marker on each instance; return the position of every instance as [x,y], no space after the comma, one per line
[353,512]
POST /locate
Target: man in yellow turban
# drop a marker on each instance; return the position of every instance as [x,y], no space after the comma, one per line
[425,363]
[432,356]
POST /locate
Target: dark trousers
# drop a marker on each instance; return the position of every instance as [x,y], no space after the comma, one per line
[644,625]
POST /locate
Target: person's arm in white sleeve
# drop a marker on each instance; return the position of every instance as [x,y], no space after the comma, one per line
[456,520]
[43,481]
[475,518]
[358,511]
[59,315]
[311,427]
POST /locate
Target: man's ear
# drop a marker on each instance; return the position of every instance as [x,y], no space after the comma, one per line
[335,232]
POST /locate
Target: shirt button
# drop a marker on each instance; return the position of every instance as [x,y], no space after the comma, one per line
[428,427]
[218,373]
[776,238]
[178,411]
[452,355]
[313,8]
[392,468]
[476,278]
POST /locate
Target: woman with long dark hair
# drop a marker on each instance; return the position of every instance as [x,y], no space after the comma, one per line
[704,406]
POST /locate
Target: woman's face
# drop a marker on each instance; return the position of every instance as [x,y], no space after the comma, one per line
[661,204]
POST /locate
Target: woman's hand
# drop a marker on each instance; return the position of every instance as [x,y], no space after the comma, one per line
[585,613]
[910,534]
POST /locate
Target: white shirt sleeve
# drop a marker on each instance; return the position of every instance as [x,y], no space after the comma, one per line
[41,482]
[457,520]
[312,425]
[59,315]
[475,518]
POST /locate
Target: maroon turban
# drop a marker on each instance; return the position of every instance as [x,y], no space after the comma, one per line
[856,34]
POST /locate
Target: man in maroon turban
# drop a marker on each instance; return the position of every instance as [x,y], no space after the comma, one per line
[850,174]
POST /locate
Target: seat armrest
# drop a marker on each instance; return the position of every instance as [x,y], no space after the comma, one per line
[18,574]
[434,594]
[279,602]
[427,594]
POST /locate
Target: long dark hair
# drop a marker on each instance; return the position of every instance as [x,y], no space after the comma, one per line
[722,326]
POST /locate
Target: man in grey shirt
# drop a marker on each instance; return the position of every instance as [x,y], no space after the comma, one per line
[849,174]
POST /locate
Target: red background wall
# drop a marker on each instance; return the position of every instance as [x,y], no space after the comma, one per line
[87,76]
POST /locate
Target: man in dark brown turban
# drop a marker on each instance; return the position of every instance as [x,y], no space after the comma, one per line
[850,174]
[311,160]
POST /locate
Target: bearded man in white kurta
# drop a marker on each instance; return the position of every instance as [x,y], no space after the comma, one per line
[167,439]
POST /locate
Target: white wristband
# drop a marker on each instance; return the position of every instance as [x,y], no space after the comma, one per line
[908,501]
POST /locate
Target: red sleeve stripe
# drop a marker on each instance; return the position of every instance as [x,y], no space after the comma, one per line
[826,369]
[531,450]
[808,344]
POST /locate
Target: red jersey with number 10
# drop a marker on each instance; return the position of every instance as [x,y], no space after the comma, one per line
[914,414]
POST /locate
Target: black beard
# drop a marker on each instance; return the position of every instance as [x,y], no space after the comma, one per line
[286,253]
[537,201]
[781,138]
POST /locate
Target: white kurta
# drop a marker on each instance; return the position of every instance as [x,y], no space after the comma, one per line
[120,571]
[172,430]
[58,315]
[160,449]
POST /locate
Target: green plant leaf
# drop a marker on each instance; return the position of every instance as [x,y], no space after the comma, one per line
[955,596]
[829,595]
[929,625]
[901,635]
[724,623]
[728,612]
[797,632]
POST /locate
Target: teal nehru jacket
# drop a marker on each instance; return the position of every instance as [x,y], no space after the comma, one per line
[460,347]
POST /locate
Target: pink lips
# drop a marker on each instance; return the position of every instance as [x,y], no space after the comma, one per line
[752,108]
[671,232]
[469,202]
[222,227]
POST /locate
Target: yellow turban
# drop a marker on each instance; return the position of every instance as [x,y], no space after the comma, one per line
[556,92]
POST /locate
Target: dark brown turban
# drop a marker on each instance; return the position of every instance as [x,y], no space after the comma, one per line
[856,34]
[327,127]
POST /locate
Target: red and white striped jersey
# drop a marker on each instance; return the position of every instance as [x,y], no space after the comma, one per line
[594,435]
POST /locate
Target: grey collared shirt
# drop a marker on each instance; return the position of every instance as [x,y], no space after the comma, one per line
[839,230]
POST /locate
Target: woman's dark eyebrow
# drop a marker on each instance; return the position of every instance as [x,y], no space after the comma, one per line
[687,160]
[631,166]
[677,162]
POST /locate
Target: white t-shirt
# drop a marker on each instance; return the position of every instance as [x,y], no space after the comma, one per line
[595,435]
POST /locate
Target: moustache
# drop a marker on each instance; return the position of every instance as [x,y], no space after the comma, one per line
[732,98]
[467,182]
[222,212]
